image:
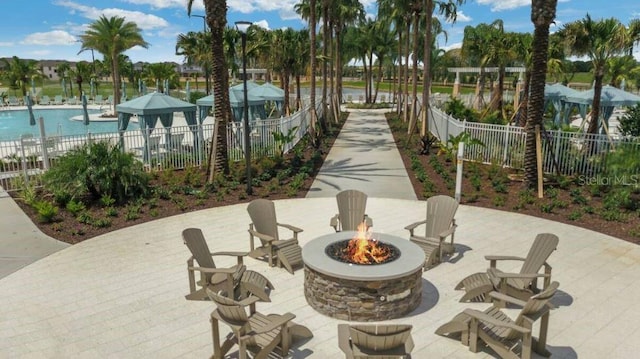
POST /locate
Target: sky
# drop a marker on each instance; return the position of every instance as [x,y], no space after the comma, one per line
[49,29]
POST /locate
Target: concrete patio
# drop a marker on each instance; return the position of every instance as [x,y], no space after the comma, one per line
[121,295]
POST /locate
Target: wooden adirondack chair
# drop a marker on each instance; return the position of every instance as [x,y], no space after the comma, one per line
[252,331]
[521,285]
[287,252]
[499,331]
[375,341]
[439,224]
[236,281]
[351,211]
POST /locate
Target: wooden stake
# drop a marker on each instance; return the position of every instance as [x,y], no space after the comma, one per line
[539,162]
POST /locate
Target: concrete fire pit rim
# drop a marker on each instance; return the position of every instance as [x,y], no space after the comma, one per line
[411,259]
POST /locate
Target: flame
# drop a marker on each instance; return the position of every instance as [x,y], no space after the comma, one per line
[365,250]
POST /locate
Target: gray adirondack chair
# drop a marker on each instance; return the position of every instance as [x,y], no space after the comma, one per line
[521,285]
[264,225]
[439,224]
[352,205]
[375,341]
[236,280]
[499,331]
[252,331]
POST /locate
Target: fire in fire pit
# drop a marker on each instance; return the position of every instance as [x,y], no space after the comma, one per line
[362,249]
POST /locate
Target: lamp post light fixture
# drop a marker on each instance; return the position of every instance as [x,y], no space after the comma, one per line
[243,27]
[206,67]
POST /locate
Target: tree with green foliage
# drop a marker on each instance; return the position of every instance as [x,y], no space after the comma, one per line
[112,37]
[630,122]
[18,72]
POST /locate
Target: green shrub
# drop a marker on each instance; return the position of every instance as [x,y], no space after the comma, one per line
[107,201]
[75,207]
[47,211]
[96,170]
[101,223]
[111,212]
[499,201]
[575,215]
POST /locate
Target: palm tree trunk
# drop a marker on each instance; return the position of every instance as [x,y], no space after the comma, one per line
[216,15]
[398,92]
[325,55]
[414,74]
[426,71]
[407,50]
[595,106]
[542,14]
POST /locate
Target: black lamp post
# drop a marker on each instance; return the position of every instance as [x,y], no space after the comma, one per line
[206,68]
[242,27]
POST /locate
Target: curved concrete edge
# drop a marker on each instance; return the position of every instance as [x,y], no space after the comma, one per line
[22,242]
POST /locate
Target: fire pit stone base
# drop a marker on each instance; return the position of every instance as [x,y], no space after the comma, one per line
[354,300]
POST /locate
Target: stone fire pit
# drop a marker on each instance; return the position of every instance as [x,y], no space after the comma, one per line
[356,292]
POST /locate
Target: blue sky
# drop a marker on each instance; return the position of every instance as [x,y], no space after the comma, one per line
[48,29]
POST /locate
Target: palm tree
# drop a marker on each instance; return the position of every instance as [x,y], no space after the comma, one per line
[195,48]
[600,41]
[159,72]
[112,37]
[216,18]
[18,72]
[543,12]
[64,71]
[82,73]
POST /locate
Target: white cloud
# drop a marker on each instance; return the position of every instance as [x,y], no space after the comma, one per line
[457,45]
[6,44]
[263,24]
[460,17]
[55,38]
[499,5]
[144,21]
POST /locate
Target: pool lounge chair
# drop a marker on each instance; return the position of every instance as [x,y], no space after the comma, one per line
[45,100]
[521,285]
[13,101]
[351,211]
[507,337]
[57,100]
[98,100]
[375,341]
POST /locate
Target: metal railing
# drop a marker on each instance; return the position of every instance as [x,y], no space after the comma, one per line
[566,153]
[22,161]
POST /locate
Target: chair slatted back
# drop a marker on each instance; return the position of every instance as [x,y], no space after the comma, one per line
[263,216]
[441,211]
[194,239]
[543,246]
[379,337]
[231,312]
[534,308]
[352,205]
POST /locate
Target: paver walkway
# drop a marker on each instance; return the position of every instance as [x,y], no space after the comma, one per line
[121,295]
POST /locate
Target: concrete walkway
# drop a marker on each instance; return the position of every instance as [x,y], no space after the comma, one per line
[121,295]
[364,157]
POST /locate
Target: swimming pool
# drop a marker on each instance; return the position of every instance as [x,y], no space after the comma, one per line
[14,123]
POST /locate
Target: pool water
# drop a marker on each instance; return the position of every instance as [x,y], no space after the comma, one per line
[14,123]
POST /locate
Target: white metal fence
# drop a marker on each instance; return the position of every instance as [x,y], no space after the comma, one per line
[24,160]
[567,153]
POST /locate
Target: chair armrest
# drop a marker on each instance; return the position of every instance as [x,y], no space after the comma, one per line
[447,233]
[504,275]
[293,229]
[413,226]
[333,222]
[506,298]
[264,237]
[213,270]
[493,259]
[485,318]
[238,255]
[368,221]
